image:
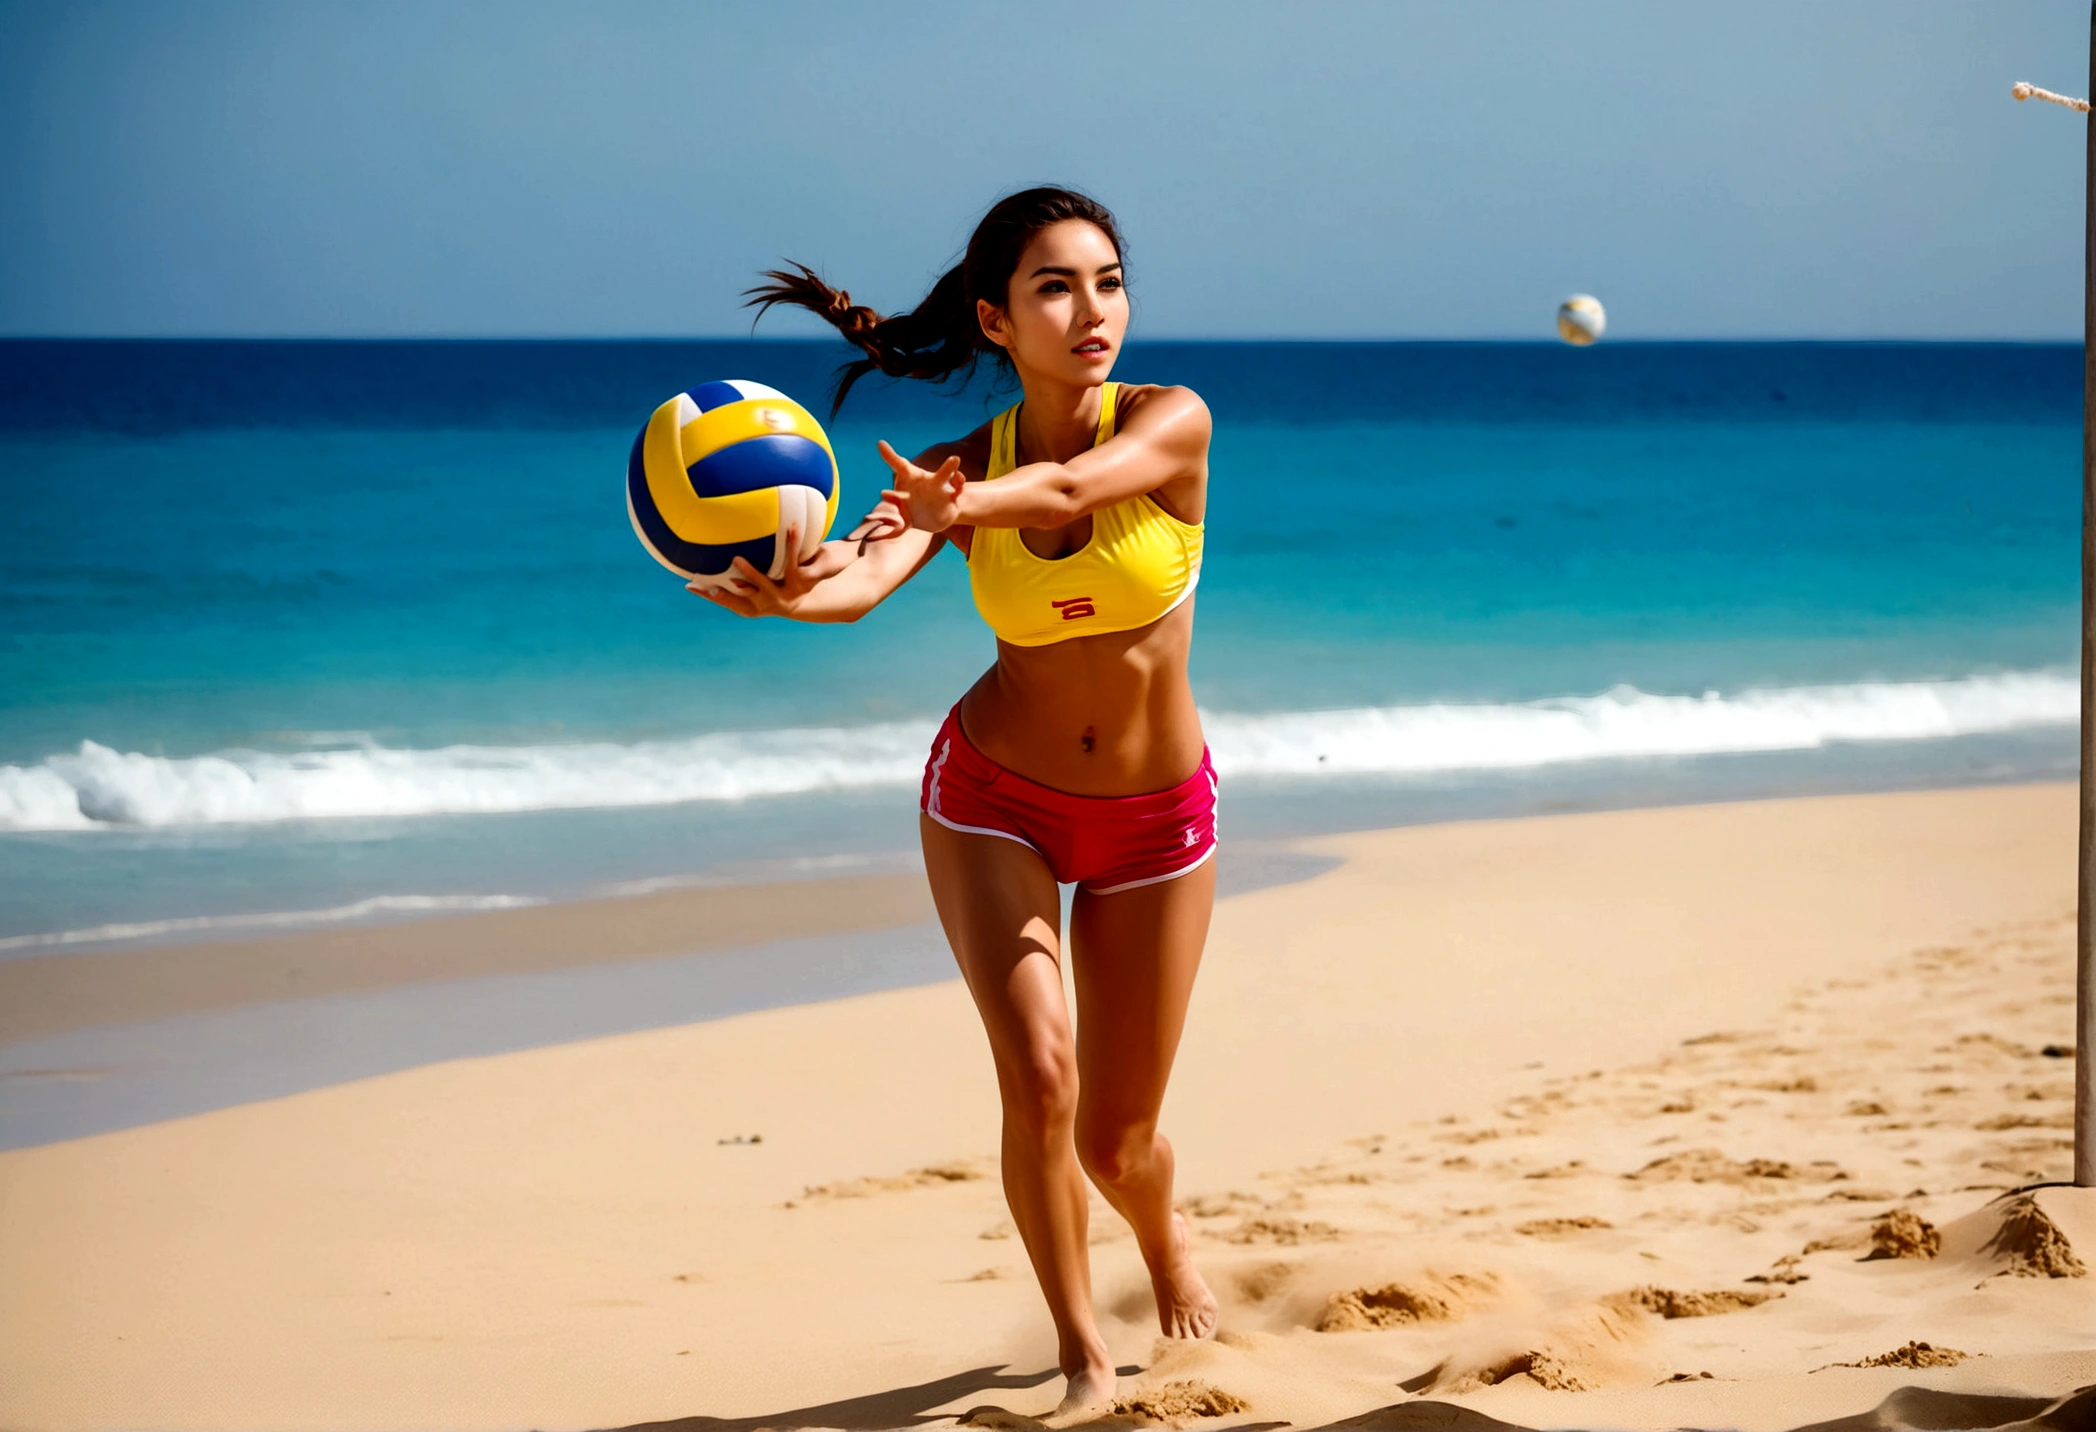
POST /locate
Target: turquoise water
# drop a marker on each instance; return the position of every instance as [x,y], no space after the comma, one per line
[322,631]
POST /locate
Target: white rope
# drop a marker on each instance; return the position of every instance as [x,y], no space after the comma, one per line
[2023,91]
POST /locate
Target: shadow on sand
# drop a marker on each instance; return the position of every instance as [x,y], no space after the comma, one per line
[1909,1409]
[897,1407]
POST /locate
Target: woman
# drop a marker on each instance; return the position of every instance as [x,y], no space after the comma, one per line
[1078,756]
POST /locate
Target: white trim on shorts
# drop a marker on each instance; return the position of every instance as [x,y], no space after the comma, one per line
[1152,879]
[931,805]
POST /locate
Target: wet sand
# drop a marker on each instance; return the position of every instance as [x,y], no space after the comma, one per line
[380,998]
[50,994]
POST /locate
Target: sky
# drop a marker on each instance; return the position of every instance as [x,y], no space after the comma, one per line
[1314,169]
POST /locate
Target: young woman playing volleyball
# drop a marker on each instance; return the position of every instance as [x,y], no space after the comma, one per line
[1078,756]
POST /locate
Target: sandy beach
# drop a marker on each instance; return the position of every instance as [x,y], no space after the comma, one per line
[1700,1116]
[1597,486]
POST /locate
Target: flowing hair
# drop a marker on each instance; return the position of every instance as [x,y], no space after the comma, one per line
[941,337]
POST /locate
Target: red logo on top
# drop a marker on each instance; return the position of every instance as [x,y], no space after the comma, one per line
[1074,607]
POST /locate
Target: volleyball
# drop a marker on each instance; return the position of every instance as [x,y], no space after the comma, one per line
[721,472]
[1580,319]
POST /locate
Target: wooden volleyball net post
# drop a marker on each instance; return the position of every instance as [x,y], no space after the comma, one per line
[2085,865]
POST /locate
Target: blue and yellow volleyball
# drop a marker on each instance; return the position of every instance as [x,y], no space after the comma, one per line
[721,472]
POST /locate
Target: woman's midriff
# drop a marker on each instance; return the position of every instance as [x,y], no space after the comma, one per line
[1108,715]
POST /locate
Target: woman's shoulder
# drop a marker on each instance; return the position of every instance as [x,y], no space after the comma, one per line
[1160,400]
[1175,416]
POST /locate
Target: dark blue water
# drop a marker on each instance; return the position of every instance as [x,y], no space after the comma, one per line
[156,387]
[276,585]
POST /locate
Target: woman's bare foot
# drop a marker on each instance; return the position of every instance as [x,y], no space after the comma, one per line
[1185,1307]
[1091,1394]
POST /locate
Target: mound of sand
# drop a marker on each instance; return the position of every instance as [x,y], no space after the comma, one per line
[1903,1233]
[1913,1354]
[2029,1244]
[1178,1404]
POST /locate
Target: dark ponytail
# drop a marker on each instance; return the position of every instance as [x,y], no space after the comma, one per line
[941,336]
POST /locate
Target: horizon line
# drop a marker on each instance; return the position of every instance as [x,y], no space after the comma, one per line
[552,338]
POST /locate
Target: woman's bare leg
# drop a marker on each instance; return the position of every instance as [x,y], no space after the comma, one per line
[1003,918]
[1136,954]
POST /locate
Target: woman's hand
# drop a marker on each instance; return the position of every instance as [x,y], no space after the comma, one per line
[753,594]
[927,501]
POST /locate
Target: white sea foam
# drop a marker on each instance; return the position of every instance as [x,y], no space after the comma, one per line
[96,787]
[1626,722]
[99,788]
[269,920]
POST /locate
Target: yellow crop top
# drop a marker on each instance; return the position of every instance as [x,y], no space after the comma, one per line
[1140,564]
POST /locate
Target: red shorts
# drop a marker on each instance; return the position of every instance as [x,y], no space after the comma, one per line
[1104,843]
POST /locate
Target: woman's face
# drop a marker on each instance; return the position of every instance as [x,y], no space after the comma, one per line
[1066,309]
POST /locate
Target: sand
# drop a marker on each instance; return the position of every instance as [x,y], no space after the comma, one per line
[1539,1121]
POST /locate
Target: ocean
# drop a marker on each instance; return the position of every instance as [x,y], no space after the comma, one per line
[298,633]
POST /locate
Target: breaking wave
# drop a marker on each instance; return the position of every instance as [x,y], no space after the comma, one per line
[96,787]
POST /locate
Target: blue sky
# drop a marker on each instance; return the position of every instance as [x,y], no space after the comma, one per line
[1282,170]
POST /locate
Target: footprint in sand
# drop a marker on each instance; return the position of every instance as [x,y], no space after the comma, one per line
[1784,1270]
[1262,1281]
[1221,1205]
[933,1176]
[1282,1230]
[1432,1299]
[1561,1227]
[1669,1304]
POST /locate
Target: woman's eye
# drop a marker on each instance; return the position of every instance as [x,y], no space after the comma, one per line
[1055,285]
[1109,283]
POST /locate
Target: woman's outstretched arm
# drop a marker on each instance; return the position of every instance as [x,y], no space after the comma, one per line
[1163,442]
[840,584]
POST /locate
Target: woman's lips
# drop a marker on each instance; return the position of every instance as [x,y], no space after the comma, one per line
[1091,348]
